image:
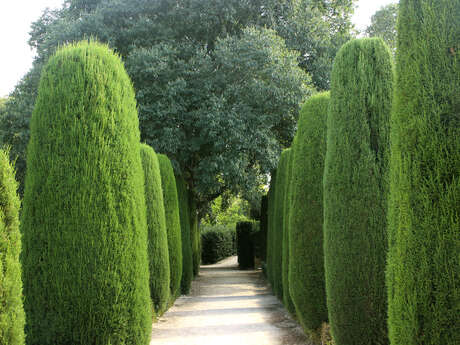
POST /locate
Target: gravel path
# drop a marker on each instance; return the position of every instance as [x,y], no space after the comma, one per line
[227,306]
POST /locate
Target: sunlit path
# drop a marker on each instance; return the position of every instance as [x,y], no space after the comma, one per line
[227,306]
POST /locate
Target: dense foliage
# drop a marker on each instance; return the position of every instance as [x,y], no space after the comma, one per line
[263,228]
[12,316]
[423,271]
[271,227]
[245,245]
[355,192]
[184,213]
[306,260]
[173,225]
[157,236]
[85,265]
[383,25]
[218,242]
[195,237]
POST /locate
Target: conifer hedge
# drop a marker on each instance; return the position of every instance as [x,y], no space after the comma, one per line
[157,236]
[12,316]
[245,245]
[306,265]
[173,229]
[270,227]
[263,227]
[85,265]
[423,272]
[195,237]
[355,192]
[184,213]
[287,299]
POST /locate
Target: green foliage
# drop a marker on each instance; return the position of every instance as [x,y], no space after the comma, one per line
[355,192]
[245,245]
[263,227]
[287,299]
[157,235]
[271,228]
[227,210]
[85,264]
[218,242]
[195,237]
[383,25]
[173,225]
[184,213]
[424,204]
[306,260]
[12,316]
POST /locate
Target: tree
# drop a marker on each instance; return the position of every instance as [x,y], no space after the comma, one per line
[157,235]
[85,264]
[383,25]
[355,192]
[173,225]
[424,204]
[306,259]
[12,318]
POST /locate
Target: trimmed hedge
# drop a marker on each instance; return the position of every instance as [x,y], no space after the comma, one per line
[218,242]
[306,265]
[173,228]
[355,192]
[423,271]
[157,236]
[245,245]
[195,237]
[187,259]
[12,316]
[263,228]
[287,299]
[271,228]
[85,264]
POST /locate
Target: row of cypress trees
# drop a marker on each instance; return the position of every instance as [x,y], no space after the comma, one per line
[104,250]
[366,201]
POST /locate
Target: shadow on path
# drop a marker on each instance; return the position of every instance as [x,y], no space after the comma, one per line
[227,306]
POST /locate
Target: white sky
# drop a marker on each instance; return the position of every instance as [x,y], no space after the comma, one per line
[16,17]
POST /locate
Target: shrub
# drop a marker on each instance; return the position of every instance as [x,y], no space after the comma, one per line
[263,227]
[187,259]
[355,192]
[218,242]
[157,237]
[306,260]
[86,278]
[12,316]
[173,229]
[424,208]
[271,228]
[245,244]
[194,235]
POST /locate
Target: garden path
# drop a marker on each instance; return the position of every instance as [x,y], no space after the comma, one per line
[227,306]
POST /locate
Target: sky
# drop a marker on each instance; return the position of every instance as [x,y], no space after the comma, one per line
[16,17]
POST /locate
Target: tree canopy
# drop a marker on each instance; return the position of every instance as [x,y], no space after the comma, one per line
[383,25]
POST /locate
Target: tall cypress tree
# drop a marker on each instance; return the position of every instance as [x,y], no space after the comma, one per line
[355,192]
[12,316]
[423,272]
[157,236]
[86,277]
[195,237]
[306,259]
[270,227]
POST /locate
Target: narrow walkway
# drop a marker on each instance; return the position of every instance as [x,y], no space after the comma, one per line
[227,306]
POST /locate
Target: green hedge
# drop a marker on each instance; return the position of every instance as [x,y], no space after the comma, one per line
[173,228]
[423,272]
[270,227]
[355,192]
[263,228]
[184,213]
[245,244]
[306,265]
[195,237]
[218,242]
[12,316]
[157,236]
[85,264]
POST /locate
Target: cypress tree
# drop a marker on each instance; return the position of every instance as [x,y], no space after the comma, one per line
[270,227]
[355,192]
[187,259]
[86,278]
[306,265]
[195,237]
[168,182]
[12,316]
[263,227]
[157,236]
[287,299]
[423,271]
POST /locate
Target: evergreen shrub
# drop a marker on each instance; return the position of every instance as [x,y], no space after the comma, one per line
[306,260]
[355,192]
[157,236]
[194,235]
[423,271]
[173,228]
[263,228]
[218,242]
[85,264]
[245,245]
[12,316]
[270,228]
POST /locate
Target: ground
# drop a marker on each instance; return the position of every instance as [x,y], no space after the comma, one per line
[228,306]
